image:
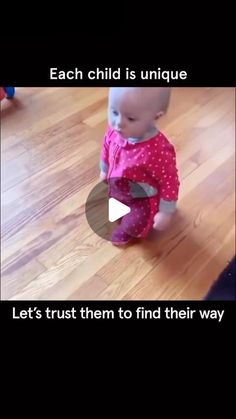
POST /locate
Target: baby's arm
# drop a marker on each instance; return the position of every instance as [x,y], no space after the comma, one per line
[103,175]
[104,158]
[169,189]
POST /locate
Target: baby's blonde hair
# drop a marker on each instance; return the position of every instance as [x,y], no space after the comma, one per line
[157,98]
[164,98]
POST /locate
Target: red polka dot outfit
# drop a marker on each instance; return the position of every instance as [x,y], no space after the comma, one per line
[150,163]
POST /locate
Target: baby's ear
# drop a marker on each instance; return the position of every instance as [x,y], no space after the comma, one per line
[159,114]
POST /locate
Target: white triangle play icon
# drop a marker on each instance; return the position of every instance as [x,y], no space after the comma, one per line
[116,210]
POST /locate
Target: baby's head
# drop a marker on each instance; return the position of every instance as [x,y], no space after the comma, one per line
[133,111]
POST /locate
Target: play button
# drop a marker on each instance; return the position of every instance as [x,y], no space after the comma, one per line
[110,204]
[117,210]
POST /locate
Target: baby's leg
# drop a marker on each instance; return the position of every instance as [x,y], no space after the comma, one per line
[136,221]
[136,224]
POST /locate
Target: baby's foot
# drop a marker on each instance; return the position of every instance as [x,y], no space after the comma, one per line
[120,238]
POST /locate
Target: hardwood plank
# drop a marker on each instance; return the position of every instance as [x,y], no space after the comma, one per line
[51,141]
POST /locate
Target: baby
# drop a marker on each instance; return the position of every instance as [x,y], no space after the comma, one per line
[138,161]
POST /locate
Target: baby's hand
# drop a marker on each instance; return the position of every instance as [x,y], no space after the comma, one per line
[162,220]
[103,176]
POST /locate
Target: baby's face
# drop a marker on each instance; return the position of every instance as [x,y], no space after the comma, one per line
[129,114]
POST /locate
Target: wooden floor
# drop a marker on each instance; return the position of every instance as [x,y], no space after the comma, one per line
[51,139]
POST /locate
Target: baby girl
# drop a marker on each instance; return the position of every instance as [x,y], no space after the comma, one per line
[138,161]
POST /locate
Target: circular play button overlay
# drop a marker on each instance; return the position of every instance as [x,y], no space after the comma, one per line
[118,204]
